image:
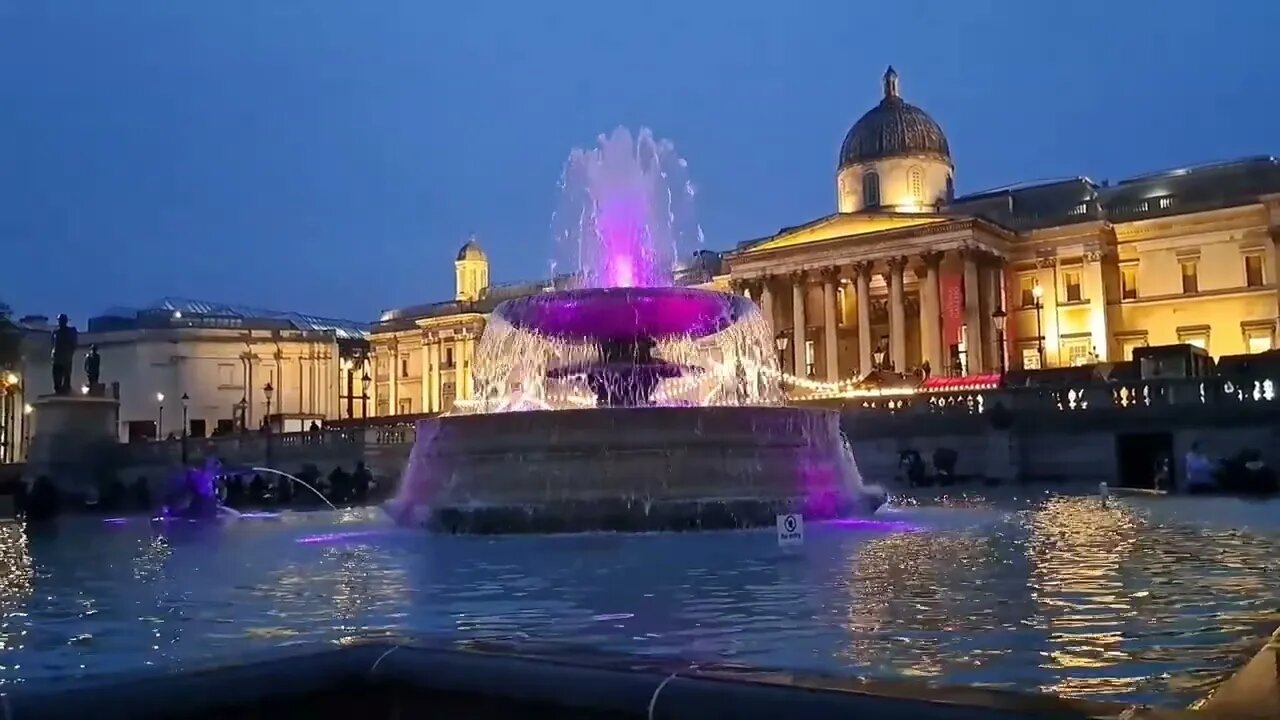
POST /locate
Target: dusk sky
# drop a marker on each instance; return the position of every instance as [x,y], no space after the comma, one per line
[330,157]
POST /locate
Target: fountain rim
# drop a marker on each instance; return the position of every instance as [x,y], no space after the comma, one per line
[718,312]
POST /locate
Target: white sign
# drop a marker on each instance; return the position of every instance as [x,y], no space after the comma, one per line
[790,529]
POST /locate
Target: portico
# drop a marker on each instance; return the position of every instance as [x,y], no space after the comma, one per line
[854,292]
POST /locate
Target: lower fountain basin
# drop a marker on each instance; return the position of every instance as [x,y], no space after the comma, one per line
[630,469]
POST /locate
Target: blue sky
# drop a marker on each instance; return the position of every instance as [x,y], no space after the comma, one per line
[330,157]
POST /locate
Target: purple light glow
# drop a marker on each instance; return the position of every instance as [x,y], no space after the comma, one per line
[887,526]
[624,314]
[337,537]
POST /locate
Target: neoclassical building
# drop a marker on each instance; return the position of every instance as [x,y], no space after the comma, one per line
[1042,274]
[207,367]
[423,354]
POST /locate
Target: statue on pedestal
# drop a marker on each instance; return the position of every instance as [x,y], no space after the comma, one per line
[93,369]
[65,339]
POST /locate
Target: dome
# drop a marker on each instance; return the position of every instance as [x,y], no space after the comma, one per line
[471,251]
[894,128]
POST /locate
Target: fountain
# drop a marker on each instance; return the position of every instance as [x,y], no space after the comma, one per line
[627,402]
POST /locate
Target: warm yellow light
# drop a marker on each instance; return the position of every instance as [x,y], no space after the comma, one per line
[1037,291]
[159,397]
[11,378]
[26,409]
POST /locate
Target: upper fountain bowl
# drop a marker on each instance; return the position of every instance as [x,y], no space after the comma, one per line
[625,314]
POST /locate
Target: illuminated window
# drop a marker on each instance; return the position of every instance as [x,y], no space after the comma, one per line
[1078,352]
[1128,345]
[1027,290]
[809,369]
[1259,341]
[1071,285]
[404,366]
[871,189]
[1253,271]
[1199,337]
[1129,283]
[1190,277]
[406,406]
[915,179]
[1030,358]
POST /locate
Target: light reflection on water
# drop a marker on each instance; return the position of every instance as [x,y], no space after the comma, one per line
[1145,602]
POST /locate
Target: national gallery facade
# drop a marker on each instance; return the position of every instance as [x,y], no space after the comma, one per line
[906,275]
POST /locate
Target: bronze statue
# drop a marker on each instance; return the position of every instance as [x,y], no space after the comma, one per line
[65,340]
[92,366]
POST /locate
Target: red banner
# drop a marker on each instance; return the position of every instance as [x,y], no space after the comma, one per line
[951,287]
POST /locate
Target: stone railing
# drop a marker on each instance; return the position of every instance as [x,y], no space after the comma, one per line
[346,444]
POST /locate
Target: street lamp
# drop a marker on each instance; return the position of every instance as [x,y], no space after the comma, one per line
[26,428]
[1000,318]
[1037,292]
[185,399]
[781,342]
[267,392]
[160,415]
[364,395]
[348,368]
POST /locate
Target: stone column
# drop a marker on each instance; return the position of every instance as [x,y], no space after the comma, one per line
[372,409]
[394,379]
[831,320]
[897,315]
[433,356]
[973,312]
[931,313]
[464,367]
[766,304]
[425,391]
[798,322]
[862,282]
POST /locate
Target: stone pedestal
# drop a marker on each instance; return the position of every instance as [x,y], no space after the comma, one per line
[73,438]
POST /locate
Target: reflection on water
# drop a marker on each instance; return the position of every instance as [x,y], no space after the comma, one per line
[1060,595]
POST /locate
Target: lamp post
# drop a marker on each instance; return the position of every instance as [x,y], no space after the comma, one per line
[781,342]
[348,368]
[1000,318]
[242,413]
[8,381]
[26,428]
[364,395]
[159,416]
[1037,292]
[267,392]
[185,400]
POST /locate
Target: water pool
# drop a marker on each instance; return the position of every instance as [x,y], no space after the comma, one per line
[1145,600]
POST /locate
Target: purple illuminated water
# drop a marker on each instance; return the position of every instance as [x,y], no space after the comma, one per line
[626,211]
[625,314]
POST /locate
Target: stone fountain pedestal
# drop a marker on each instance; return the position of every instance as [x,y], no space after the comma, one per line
[73,439]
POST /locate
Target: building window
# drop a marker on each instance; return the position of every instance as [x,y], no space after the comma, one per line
[915,179]
[809,369]
[1199,337]
[1071,285]
[404,366]
[448,358]
[1128,345]
[1129,283]
[1253,271]
[382,364]
[871,189]
[1030,358]
[1078,352]
[1190,277]
[1258,341]
[406,406]
[1027,290]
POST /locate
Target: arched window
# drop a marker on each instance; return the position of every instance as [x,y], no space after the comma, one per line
[871,189]
[915,179]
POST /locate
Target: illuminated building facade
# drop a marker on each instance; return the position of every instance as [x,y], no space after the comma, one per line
[1043,274]
[423,354]
[210,368]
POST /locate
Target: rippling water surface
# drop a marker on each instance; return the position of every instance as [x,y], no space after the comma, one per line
[1149,601]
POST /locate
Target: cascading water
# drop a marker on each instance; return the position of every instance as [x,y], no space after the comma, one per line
[668,412]
[626,212]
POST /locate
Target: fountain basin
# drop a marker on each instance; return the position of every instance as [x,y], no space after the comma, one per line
[630,469]
[600,315]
